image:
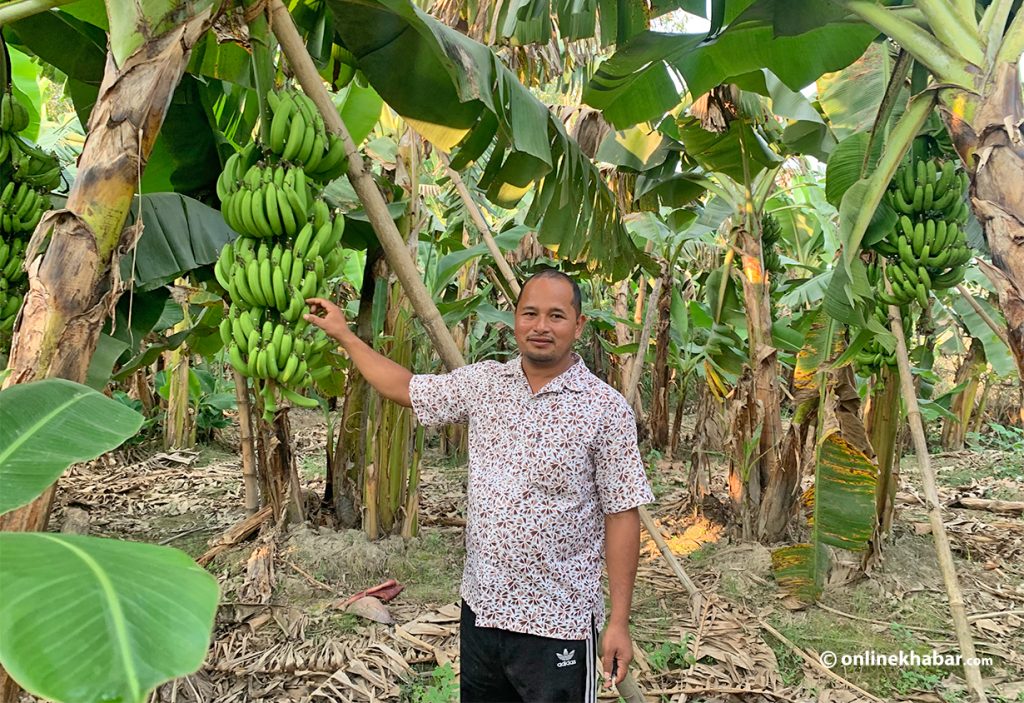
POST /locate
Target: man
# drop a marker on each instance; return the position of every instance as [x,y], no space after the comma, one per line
[555,479]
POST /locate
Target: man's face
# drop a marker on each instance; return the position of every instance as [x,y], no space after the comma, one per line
[546,322]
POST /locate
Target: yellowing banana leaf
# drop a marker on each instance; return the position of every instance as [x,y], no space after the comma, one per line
[842,501]
[800,570]
[811,359]
[844,494]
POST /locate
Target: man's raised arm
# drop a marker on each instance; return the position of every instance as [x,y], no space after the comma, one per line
[390,379]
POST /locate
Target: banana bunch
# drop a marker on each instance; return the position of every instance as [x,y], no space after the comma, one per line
[21,208]
[27,173]
[21,160]
[13,115]
[259,347]
[930,190]
[11,276]
[30,164]
[927,249]
[870,360]
[281,277]
[288,249]
[265,201]
[298,136]
[771,230]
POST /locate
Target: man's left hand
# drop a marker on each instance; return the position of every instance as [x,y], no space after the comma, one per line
[616,654]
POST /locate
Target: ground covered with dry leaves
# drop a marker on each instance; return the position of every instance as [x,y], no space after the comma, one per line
[282,634]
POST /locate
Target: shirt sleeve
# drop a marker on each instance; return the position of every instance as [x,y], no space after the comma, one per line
[439,399]
[620,475]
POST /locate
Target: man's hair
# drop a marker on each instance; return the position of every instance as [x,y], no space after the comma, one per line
[577,297]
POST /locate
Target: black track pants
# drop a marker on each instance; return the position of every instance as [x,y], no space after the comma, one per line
[499,666]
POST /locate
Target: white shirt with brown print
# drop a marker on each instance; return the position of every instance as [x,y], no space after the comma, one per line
[544,470]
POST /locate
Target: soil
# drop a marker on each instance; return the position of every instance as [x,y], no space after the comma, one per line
[282,635]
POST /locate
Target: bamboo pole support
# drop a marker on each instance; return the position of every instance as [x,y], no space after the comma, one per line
[933,504]
[481,225]
[395,248]
[986,318]
[245,439]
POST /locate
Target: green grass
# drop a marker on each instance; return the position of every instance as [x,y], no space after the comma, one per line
[431,568]
[311,468]
[437,686]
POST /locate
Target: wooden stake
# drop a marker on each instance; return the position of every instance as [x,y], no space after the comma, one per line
[394,245]
[956,600]
[245,439]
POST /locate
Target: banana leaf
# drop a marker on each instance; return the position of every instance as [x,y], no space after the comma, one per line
[47,425]
[457,81]
[638,83]
[841,502]
[179,235]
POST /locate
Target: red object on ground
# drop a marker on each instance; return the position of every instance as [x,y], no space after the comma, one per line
[384,592]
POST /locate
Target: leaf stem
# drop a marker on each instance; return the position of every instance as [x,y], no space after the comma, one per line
[892,92]
[993,22]
[902,137]
[922,45]
[20,9]
[1013,41]
[262,66]
[954,30]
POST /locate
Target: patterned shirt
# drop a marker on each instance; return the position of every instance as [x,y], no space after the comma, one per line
[544,469]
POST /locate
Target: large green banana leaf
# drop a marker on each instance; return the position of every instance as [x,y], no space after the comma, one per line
[179,235]
[456,91]
[84,619]
[638,83]
[47,425]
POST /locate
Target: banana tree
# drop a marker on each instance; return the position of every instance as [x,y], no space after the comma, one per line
[72,282]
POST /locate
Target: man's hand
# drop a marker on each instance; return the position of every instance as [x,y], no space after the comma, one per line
[616,653]
[390,379]
[328,317]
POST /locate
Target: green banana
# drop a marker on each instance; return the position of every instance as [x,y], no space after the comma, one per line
[922,295]
[298,399]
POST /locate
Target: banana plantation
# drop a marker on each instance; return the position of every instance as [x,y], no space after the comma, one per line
[798,229]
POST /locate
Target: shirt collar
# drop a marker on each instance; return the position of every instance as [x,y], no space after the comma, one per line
[573,378]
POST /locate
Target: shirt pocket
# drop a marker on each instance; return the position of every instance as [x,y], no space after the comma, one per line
[559,464]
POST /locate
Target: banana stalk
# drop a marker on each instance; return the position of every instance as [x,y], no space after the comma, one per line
[262,40]
[179,430]
[246,440]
